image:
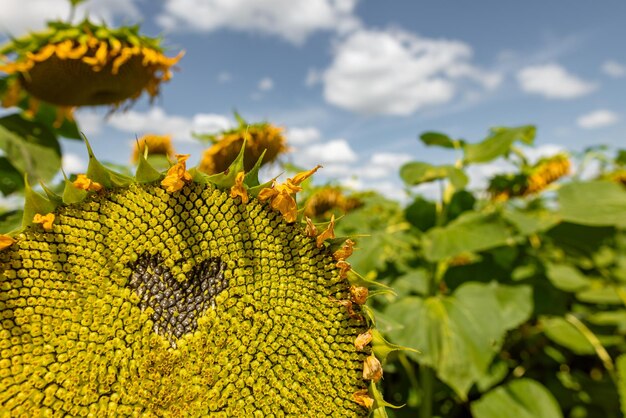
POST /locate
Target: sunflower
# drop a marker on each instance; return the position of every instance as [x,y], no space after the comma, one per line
[173,295]
[259,137]
[531,181]
[157,145]
[327,200]
[85,64]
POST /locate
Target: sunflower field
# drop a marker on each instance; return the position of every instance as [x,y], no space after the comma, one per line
[156,289]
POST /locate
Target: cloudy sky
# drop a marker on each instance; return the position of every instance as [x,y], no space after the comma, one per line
[355,81]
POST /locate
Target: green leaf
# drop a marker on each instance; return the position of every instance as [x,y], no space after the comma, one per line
[595,203]
[531,222]
[565,334]
[11,221]
[470,232]
[621,157]
[498,143]
[415,173]
[146,173]
[97,172]
[459,335]
[34,203]
[422,213]
[11,180]
[520,398]
[567,277]
[227,178]
[30,147]
[440,140]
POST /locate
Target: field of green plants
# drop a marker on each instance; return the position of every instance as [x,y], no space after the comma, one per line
[503,301]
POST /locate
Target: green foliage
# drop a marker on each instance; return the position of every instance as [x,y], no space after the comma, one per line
[516,305]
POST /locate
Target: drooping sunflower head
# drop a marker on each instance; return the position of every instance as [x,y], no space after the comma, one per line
[547,171]
[156,144]
[83,65]
[260,138]
[618,176]
[328,200]
[504,186]
[179,294]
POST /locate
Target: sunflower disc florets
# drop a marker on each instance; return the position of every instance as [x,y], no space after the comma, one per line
[141,298]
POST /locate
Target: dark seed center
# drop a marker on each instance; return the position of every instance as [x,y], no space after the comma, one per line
[176,305]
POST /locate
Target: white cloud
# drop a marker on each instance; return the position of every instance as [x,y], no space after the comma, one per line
[614,69]
[337,151]
[156,121]
[553,82]
[73,163]
[302,136]
[266,84]
[19,16]
[224,77]
[293,20]
[397,72]
[383,165]
[597,119]
[89,122]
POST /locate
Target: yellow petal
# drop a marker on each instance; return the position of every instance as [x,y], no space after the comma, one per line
[239,189]
[85,183]
[344,267]
[372,369]
[45,220]
[285,204]
[5,241]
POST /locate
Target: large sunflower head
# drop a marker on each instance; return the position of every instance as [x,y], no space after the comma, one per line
[547,171]
[261,139]
[180,294]
[156,144]
[86,64]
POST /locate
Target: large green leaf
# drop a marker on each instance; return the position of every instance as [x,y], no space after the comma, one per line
[416,172]
[567,277]
[470,232]
[521,398]
[31,147]
[11,180]
[422,213]
[498,143]
[595,203]
[459,335]
[565,334]
[531,222]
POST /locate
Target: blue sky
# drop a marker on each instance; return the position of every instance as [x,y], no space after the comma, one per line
[355,81]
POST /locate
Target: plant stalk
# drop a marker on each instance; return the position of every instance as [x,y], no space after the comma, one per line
[427,380]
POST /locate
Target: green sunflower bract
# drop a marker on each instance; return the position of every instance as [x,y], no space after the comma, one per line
[142,302]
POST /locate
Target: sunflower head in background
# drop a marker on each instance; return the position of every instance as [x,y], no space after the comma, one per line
[182,294]
[329,200]
[261,139]
[532,180]
[156,144]
[85,64]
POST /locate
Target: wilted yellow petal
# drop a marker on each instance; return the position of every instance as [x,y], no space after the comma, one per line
[363,340]
[45,220]
[328,233]
[359,294]
[345,251]
[5,241]
[372,369]
[310,230]
[285,204]
[300,177]
[344,267]
[239,189]
[177,175]
[362,398]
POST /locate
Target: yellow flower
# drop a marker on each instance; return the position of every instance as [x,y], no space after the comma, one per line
[177,175]
[280,195]
[85,183]
[259,138]
[5,241]
[157,145]
[372,369]
[45,220]
[239,189]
